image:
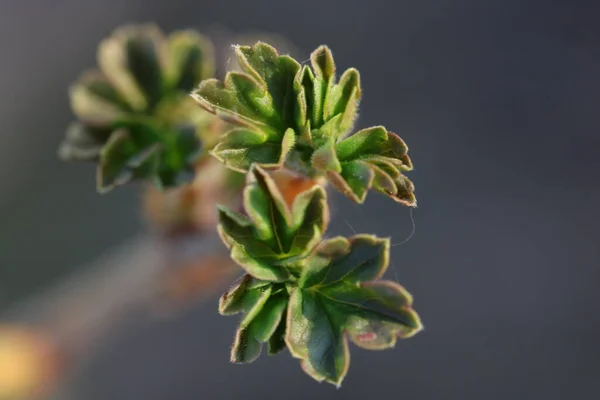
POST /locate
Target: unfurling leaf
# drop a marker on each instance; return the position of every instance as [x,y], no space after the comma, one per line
[373,158]
[272,234]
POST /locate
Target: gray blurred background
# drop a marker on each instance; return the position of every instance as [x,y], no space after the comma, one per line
[500,104]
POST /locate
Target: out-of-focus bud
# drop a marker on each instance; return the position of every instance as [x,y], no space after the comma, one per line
[198,279]
[191,208]
[29,363]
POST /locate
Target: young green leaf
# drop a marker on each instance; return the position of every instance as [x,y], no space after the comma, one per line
[264,306]
[339,295]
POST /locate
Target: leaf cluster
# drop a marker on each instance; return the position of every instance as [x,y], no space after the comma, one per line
[286,114]
[304,292]
[134,115]
[301,290]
